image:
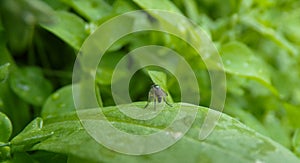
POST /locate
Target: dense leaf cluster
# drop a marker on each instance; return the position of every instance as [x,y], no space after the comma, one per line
[258,41]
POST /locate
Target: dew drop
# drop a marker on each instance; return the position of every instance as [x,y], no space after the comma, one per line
[228,62]
[206,55]
[23,86]
[61,105]
[176,135]
[258,161]
[246,64]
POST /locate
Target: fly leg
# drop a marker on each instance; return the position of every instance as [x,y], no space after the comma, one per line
[167,102]
[154,104]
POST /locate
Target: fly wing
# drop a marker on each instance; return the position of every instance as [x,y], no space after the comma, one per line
[150,97]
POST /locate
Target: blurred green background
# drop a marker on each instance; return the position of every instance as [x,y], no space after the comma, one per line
[258,40]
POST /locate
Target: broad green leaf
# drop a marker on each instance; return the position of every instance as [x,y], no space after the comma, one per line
[5,128]
[30,85]
[4,70]
[157,4]
[68,27]
[230,141]
[240,60]
[92,10]
[60,102]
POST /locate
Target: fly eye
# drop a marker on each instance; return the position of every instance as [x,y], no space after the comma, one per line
[156,86]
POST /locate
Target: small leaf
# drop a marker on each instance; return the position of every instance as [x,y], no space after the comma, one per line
[68,27]
[290,26]
[15,108]
[293,114]
[230,141]
[5,128]
[30,85]
[5,153]
[4,70]
[121,6]
[106,68]
[159,78]
[248,119]
[240,60]
[31,135]
[296,142]
[158,4]
[270,33]
[92,10]
[277,131]
[59,103]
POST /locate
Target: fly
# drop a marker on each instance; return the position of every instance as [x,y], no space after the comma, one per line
[157,94]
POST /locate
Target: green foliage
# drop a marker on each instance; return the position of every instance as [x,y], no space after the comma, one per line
[5,128]
[4,70]
[258,42]
[30,85]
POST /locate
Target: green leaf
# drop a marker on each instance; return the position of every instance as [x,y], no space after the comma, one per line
[59,103]
[21,157]
[159,78]
[121,6]
[157,4]
[68,27]
[6,131]
[296,142]
[276,129]
[4,152]
[293,114]
[92,10]
[16,109]
[248,119]
[5,128]
[290,26]
[270,33]
[30,85]
[49,157]
[4,70]
[107,66]
[230,141]
[240,60]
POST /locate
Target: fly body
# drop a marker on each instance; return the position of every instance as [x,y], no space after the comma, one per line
[157,94]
